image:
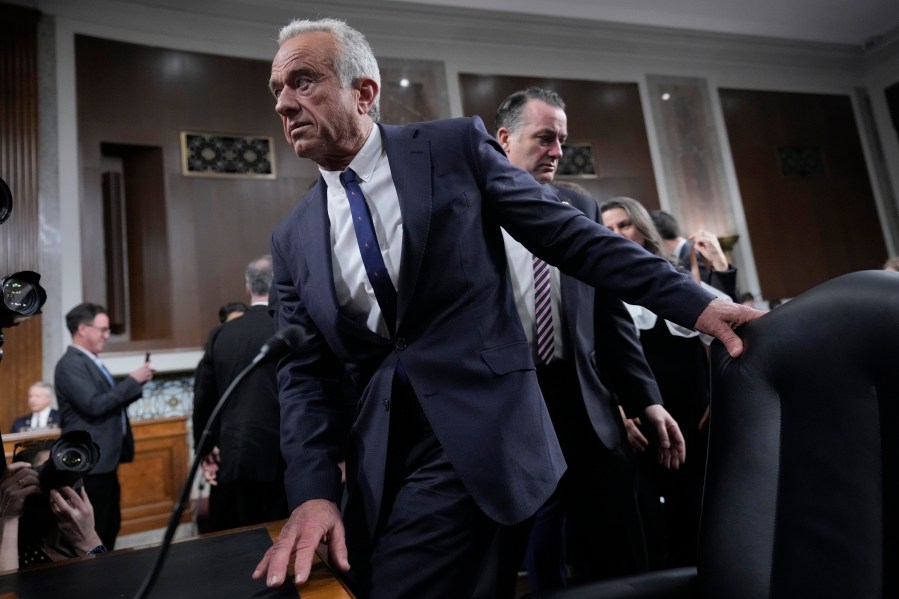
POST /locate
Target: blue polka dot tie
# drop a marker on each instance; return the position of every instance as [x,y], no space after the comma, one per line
[368,247]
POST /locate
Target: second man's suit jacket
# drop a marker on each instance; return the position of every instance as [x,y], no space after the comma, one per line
[605,348]
[458,335]
[88,402]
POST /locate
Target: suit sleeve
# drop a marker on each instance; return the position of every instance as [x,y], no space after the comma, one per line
[77,384]
[620,361]
[565,237]
[309,394]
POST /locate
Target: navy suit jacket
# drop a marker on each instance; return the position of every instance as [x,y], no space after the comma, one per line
[88,402]
[605,348]
[23,423]
[458,334]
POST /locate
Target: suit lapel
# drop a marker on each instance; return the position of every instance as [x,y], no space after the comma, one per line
[410,166]
[99,375]
[314,231]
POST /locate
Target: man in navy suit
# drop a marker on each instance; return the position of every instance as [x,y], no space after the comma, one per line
[452,439]
[40,400]
[597,362]
[90,400]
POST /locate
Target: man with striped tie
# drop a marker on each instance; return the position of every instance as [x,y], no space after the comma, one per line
[91,400]
[587,352]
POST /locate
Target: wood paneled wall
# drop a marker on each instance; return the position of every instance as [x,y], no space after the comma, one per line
[195,235]
[804,229]
[20,235]
[607,115]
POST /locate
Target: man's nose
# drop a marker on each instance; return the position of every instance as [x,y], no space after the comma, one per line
[555,149]
[285,103]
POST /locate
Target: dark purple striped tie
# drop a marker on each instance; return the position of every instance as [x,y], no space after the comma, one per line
[543,313]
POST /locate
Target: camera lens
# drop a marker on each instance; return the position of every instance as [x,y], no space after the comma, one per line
[72,458]
[19,296]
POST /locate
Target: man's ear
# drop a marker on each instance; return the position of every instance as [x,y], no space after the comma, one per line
[368,91]
[502,136]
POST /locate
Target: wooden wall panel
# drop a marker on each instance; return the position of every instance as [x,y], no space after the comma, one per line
[149,267]
[608,115]
[804,229]
[19,236]
[151,484]
[205,229]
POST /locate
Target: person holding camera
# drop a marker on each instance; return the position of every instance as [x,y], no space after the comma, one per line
[18,483]
[89,399]
[42,519]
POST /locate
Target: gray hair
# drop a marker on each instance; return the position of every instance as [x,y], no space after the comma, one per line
[354,56]
[43,385]
[509,113]
[259,275]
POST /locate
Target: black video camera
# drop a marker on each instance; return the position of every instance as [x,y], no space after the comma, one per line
[71,457]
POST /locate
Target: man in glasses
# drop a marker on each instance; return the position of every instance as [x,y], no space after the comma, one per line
[91,400]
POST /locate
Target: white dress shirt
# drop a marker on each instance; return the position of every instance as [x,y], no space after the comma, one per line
[521,273]
[39,419]
[354,291]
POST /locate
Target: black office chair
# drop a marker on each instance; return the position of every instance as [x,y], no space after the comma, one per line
[800,496]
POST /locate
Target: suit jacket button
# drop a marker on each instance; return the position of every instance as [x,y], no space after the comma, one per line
[386,405]
[400,344]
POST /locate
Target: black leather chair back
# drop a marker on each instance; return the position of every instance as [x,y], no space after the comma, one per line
[801,482]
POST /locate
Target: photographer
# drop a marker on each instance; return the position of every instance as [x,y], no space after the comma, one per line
[19,483]
[43,527]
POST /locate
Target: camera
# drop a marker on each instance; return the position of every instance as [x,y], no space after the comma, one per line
[71,457]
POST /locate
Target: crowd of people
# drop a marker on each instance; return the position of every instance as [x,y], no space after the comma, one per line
[495,369]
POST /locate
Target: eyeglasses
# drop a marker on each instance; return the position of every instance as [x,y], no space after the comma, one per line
[103,330]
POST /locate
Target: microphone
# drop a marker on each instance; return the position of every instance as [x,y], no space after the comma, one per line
[278,345]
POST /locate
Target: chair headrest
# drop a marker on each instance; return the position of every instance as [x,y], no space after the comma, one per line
[800,496]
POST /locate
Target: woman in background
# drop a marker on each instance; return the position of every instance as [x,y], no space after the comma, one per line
[670,500]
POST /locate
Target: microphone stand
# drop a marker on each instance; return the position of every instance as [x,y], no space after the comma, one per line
[199,451]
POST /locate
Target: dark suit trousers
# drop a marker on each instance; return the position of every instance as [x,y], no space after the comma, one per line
[432,537]
[104,494]
[592,523]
